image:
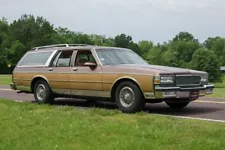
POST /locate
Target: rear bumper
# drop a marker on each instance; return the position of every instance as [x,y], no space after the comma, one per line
[180,92]
[12,86]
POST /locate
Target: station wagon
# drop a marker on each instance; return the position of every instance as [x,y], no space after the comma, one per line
[107,73]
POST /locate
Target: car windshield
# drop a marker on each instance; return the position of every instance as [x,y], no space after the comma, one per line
[119,56]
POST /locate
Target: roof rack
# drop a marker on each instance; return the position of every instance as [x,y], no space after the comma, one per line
[57,45]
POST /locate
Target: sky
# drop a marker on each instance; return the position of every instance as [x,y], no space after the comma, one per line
[154,20]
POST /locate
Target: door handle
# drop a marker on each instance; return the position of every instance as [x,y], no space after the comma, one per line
[50,69]
[75,69]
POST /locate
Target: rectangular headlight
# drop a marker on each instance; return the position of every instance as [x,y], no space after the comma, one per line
[204,78]
[167,80]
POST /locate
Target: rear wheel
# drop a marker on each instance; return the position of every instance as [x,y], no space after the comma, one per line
[42,92]
[129,97]
[178,105]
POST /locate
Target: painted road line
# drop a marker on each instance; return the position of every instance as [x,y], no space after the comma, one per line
[202,101]
[193,118]
[7,89]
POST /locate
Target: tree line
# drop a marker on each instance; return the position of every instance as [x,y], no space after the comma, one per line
[184,50]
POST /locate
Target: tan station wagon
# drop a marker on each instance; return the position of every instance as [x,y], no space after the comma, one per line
[108,73]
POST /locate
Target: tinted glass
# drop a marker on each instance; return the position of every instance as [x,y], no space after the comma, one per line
[63,59]
[119,56]
[84,56]
[32,59]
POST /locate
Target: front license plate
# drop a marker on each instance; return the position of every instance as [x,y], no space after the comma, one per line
[194,93]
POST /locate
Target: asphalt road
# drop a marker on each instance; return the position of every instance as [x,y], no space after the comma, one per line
[204,109]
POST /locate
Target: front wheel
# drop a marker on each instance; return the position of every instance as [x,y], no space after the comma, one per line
[129,97]
[42,92]
[177,105]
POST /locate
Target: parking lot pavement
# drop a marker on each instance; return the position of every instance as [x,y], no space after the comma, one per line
[208,108]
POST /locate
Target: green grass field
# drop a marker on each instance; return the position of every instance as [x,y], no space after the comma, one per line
[219,91]
[5,79]
[33,126]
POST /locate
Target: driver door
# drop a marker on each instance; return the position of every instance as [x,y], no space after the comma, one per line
[86,80]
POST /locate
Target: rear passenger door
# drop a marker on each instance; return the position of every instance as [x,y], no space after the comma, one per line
[59,72]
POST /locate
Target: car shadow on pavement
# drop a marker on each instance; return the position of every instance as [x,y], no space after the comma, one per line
[161,108]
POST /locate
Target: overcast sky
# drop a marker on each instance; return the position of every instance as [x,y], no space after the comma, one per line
[155,20]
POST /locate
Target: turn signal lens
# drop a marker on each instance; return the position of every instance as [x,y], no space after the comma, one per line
[157,80]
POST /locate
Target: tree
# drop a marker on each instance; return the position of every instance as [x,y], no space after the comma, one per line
[17,49]
[145,47]
[4,42]
[154,56]
[31,31]
[181,49]
[206,60]
[122,40]
[184,36]
[217,45]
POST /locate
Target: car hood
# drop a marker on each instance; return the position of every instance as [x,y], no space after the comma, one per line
[157,69]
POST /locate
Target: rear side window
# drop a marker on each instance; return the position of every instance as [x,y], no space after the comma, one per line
[35,59]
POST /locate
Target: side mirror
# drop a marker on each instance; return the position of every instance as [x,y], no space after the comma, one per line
[90,64]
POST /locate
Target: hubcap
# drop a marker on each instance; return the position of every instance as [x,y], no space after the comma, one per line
[41,92]
[126,97]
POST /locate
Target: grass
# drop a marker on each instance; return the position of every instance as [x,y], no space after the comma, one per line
[219,91]
[5,79]
[33,126]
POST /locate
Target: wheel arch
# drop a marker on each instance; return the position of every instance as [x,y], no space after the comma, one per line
[35,79]
[123,79]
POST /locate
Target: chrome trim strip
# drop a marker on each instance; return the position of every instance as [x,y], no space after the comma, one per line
[166,88]
[183,85]
[158,88]
[130,73]
[78,81]
[149,95]
[105,94]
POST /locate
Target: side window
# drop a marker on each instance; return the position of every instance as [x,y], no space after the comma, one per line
[63,59]
[35,58]
[83,57]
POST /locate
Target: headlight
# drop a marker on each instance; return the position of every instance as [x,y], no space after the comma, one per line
[167,80]
[204,78]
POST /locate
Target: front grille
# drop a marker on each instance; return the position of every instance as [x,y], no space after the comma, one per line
[188,80]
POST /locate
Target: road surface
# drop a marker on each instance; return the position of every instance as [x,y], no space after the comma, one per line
[203,109]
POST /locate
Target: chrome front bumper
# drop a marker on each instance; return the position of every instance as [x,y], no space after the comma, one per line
[182,92]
